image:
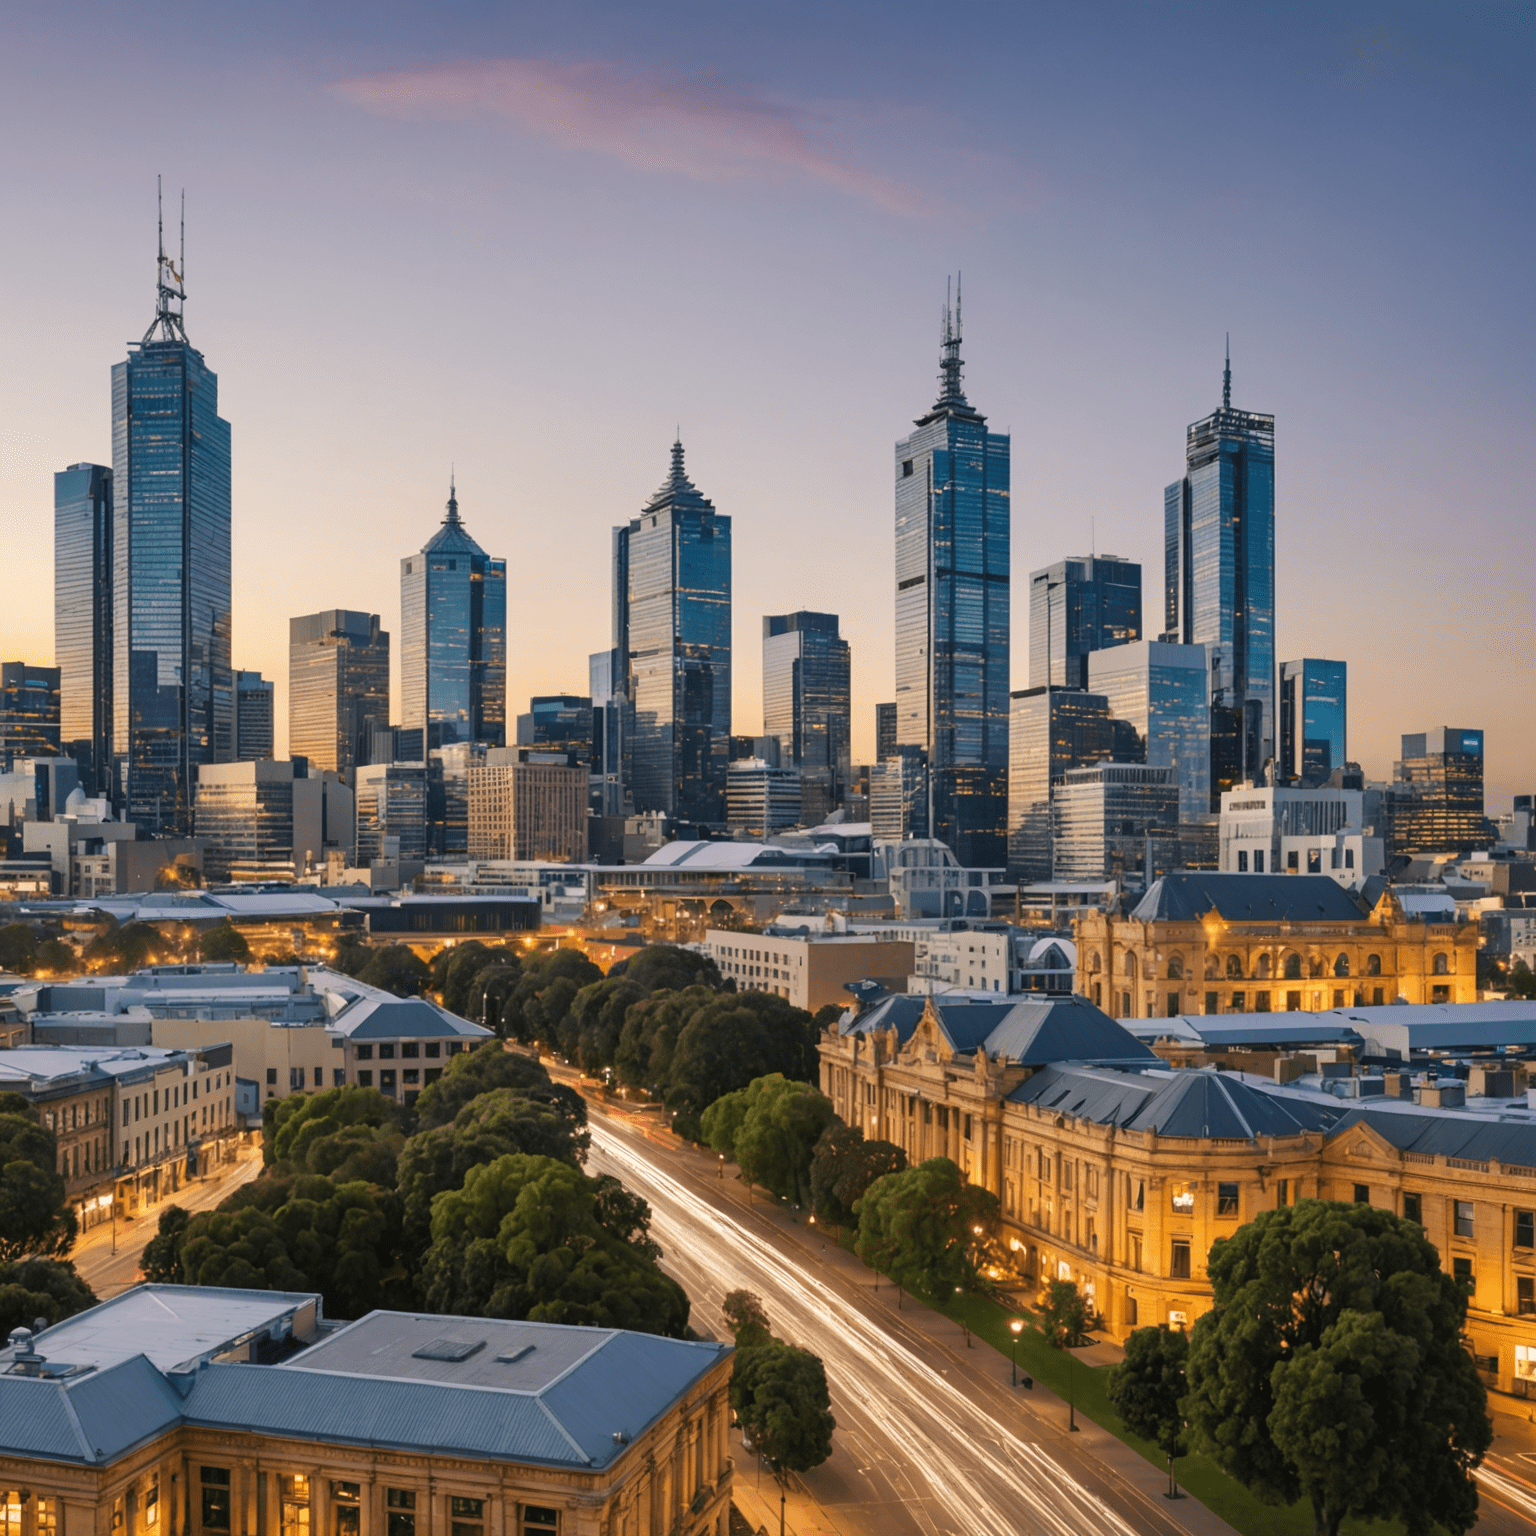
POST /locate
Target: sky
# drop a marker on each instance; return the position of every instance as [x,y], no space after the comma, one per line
[533,242]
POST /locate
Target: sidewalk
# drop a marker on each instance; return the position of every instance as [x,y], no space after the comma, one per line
[756,1495]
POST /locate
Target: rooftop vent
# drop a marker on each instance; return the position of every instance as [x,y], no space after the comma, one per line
[512,1356]
[449,1349]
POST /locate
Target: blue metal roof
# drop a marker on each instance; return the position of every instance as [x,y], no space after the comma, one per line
[1412,1128]
[1248,899]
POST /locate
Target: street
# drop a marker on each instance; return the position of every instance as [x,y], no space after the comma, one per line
[106,1272]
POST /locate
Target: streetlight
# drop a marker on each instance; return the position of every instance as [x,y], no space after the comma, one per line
[964,1323]
[1016,1327]
[722,1166]
[1072,1392]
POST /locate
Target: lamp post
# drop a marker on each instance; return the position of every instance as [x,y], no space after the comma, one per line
[722,1166]
[1016,1327]
[1072,1392]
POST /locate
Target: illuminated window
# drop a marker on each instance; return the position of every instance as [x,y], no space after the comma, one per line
[467,1517]
[346,1507]
[216,1498]
[152,1503]
[1183,1199]
[294,1504]
[538,1521]
[400,1510]
[1525,1361]
[10,1512]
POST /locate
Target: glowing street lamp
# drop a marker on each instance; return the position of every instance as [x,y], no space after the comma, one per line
[1016,1327]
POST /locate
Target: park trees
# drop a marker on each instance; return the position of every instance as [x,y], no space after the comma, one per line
[844,1165]
[919,1227]
[771,1128]
[344,1133]
[1147,1389]
[18,949]
[396,968]
[128,948]
[1331,1368]
[40,1288]
[536,1007]
[223,942]
[35,1217]
[1064,1318]
[489,1067]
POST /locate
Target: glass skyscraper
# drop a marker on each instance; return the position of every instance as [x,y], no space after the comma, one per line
[82,618]
[29,712]
[453,643]
[1078,606]
[807,706]
[952,618]
[172,680]
[1435,804]
[338,688]
[1313,721]
[254,718]
[1219,580]
[1050,731]
[672,630]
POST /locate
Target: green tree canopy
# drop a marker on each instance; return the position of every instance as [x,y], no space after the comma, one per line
[523,1238]
[918,1226]
[128,948]
[844,1165]
[46,1288]
[1064,1317]
[771,1128]
[643,1057]
[352,953]
[729,1041]
[1331,1368]
[223,942]
[746,1318]
[18,949]
[396,968]
[779,1394]
[161,1260]
[343,1133]
[487,1068]
[590,1032]
[35,1219]
[1147,1389]
[55,958]
[666,968]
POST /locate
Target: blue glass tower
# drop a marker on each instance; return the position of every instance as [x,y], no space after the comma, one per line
[1078,606]
[82,618]
[453,653]
[172,681]
[952,619]
[1314,737]
[1219,588]
[672,632]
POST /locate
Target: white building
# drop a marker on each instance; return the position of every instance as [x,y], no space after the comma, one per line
[809,969]
[927,880]
[761,798]
[1300,832]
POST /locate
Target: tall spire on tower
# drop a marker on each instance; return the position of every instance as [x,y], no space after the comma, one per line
[1226,378]
[950,366]
[452,519]
[170,285]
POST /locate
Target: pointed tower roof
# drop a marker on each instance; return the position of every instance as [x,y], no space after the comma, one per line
[951,401]
[1226,378]
[452,537]
[677,487]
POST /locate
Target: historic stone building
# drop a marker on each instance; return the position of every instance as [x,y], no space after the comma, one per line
[1213,943]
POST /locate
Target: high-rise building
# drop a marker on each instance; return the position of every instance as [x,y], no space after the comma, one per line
[1159,691]
[1313,721]
[558,722]
[1076,606]
[1219,579]
[1435,804]
[173,702]
[807,705]
[762,798]
[338,688]
[898,796]
[246,809]
[1106,815]
[672,630]
[448,770]
[1051,730]
[453,642]
[82,618]
[526,804]
[611,715]
[391,812]
[254,718]
[885,731]
[952,619]
[29,712]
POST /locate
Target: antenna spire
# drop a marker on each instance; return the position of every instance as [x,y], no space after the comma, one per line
[1226,378]
[950,365]
[170,288]
[452,518]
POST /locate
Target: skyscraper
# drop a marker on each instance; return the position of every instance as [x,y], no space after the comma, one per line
[1050,731]
[1219,580]
[1435,804]
[952,620]
[806,705]
[1313,721]
[172,681]
[254,718]
[29,712]
[338,688]
[672,630]
[885,731]
[82,618]
[453,643]
[1076,606]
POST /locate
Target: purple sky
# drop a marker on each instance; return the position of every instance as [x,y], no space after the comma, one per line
[531,240]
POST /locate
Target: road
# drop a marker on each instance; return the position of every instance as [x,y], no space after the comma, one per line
[107,1273]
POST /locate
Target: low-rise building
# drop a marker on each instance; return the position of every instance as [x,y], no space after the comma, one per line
[1320,831]
[809,969]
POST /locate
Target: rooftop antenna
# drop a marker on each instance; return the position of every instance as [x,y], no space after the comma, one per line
[170,289]
[453,500]
[1226,378]
[950,366]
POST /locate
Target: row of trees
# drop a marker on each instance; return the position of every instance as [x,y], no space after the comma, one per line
[25,952]
[478,1206]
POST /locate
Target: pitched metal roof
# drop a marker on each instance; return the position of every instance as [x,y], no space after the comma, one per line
[404,1017]
[900,1012]
[92,1417]
[1069,1028]
[1411,1128]
[1248,899]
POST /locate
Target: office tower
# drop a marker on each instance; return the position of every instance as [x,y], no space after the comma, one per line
[1159,691]
[885,731]
[172,680]
[338,688]
[609,794]
[1435,804]
[762,798]
[453,643]
[29,712]
[672,630]
[448,770]
[952,622]
[246,809]
[1219,579]
[324,821]
[525,804]
[391,812]
[1313,721]
[558,722]
[1105,815]
[898,796]
[253,718]
[82,618]
[1050,731]
[806,705]
[1077,606]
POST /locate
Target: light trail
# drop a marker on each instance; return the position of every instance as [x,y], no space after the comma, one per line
[940,1435]
[1514,1495]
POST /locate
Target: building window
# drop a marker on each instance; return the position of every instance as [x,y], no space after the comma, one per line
[1239,1002]
[1258,861]
[386,1082]
[293,1510]
[1463,1218]
[152,1502]
[1293,1002]
[365,1053]
[216,1498]
[1184,1199]
[1525,1293]
[1173,1005]
[433,1050]
[1283,1192]
[347,1505]
[1525,1362]
[1378,997]
[1135,1193]
[1525,1229]
[400,1512]
[1362,1194]
[386,1053]
[338,1078]
[1373,965]
[10,1512]
[1242,861]
[1341,966]
[1212,1003]
[1130,1311]
[1226,1199]
[47,1517]
[1440,994]
[271,1077]
[1462,1270]
[365,1079]
[1178,1263]
[1413,1209]
[539,1521]
[1292,861]
[1133,1252]
[467,1517]
[1442,966]
[412,1074]
[1314,861]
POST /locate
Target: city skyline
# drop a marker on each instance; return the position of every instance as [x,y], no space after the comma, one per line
[1422,437]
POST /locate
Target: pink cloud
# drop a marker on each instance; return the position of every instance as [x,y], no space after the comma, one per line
[690,125]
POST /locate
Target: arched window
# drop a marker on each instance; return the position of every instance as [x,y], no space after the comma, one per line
[1442,966]
[1175,968]
[1293,967]
[1095,961]
[1265,966]
[1130,966]
[1373,965]
[1234,967]
[1316,965]
[1341,966]
[1212,968]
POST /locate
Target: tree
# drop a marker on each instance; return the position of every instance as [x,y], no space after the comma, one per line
[643,1057]
[129,948]
[770,1128]
[523,1238]
[1331,1367]
[826,1017]
[590,1032]
[1147,1390]
[55,958]
[489,1067]
[779,1393]
[538,1004]
[728,1042]
[395,968]
[918,1226]
[161,1262]
[453,970]
[665,968]
[745,1317]
[489,990]
[344,1133]
[35,1218]
[844,1165]
[223,942]
[18,949]
[46,1288]
[1064,1315]
[352,954]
